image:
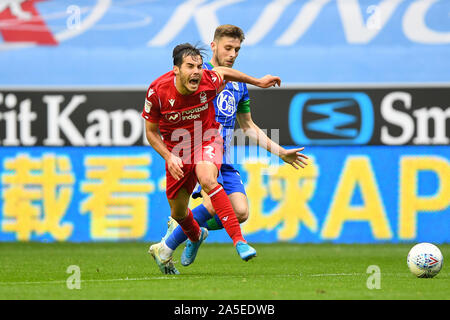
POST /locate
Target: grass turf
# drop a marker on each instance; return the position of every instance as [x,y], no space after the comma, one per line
[282,271]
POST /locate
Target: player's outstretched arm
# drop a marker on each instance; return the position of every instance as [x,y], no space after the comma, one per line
[294,157]
[230,74]
[174,163]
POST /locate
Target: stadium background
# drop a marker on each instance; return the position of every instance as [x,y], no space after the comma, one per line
[365,90]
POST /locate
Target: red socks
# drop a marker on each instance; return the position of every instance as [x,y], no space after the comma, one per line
[224,210]
[190,227]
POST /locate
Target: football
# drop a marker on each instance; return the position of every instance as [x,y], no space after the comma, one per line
[425,260]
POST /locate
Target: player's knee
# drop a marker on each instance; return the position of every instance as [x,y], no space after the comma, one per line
[178,214]
[242,214]
[207,183]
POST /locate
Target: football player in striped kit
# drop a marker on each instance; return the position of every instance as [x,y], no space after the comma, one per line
[231,104]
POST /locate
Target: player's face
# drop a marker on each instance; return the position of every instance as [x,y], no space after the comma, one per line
[225,51]
[189,74]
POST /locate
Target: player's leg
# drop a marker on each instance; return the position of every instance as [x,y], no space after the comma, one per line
[206,174]
[175,235]
[221,202]
[207,177]
[178,198]
[239,203]
[205,214]
[180,212]
[234,188]
[202,213]
[160,252]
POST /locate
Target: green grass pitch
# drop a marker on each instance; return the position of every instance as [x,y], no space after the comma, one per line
[281,271]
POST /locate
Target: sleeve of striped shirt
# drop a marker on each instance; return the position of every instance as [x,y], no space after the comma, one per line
[244,103]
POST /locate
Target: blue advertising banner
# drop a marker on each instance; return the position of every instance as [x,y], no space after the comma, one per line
[130,42]
[345,195]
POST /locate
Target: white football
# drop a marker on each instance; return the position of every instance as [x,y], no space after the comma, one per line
[425,260]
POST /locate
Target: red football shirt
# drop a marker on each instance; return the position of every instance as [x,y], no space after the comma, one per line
[183,119]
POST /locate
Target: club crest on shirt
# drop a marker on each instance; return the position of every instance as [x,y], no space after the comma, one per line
[226,104]
[203,97]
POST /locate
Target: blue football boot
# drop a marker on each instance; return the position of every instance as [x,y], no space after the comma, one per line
[245,251]
[191,249]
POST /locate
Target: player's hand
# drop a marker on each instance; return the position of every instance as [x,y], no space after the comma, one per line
[294,157]
[174,165]
[268,81]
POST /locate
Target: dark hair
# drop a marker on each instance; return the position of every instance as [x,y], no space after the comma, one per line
[229,30]
[184,50]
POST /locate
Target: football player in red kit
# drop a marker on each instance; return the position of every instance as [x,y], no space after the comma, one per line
[179,108]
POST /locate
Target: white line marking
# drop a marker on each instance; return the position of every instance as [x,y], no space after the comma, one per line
[190,277]
[334,274]
[88,280]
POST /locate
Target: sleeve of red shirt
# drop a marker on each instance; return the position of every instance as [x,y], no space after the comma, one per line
[152,106]
[218,82]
